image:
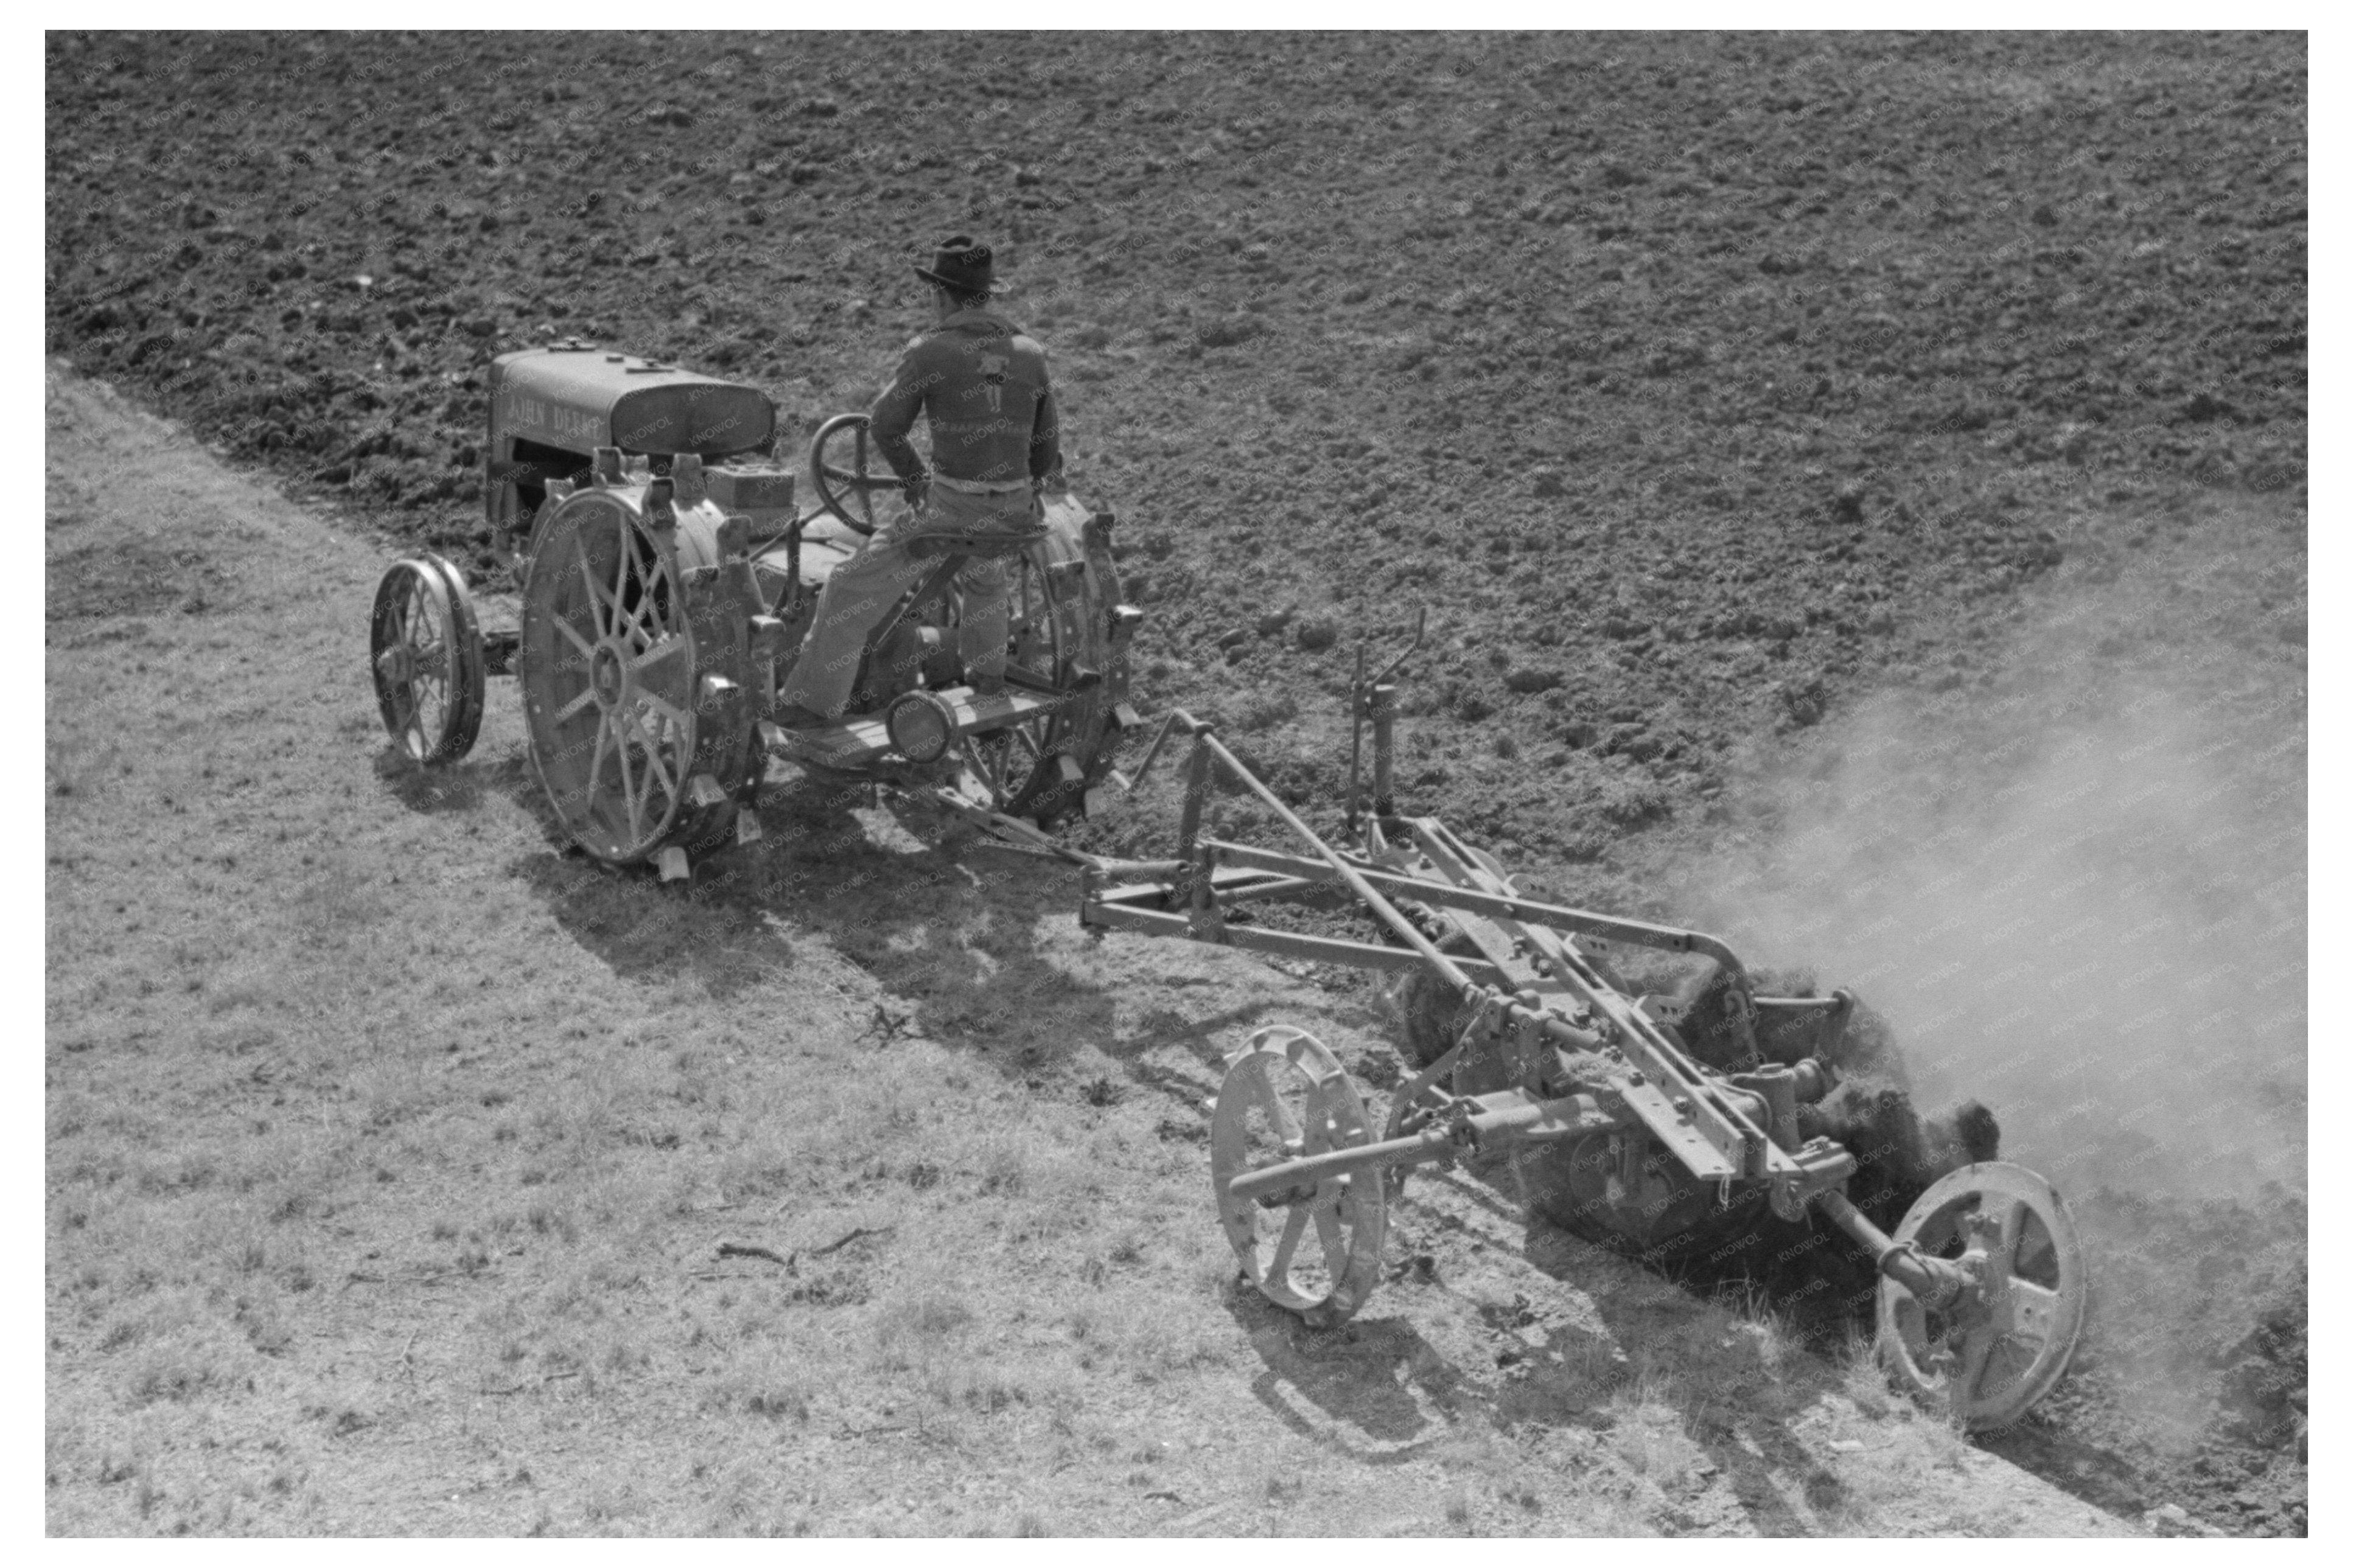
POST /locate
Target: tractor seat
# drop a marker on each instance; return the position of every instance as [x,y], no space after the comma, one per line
[982,546]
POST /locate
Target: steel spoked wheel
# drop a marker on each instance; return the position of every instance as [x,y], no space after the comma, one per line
[610,679]
[1057,630]
[1018,764]
[842,467]
[425,650]
[1317,1251]
[2004,1342]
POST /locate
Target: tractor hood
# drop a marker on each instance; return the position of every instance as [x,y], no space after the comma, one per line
[578,397]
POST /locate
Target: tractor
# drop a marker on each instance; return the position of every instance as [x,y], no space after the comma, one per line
[667,577]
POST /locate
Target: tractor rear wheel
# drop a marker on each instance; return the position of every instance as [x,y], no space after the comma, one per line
[1065,589]
[636,667]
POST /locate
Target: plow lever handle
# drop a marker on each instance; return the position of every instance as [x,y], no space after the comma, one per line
[1421,625]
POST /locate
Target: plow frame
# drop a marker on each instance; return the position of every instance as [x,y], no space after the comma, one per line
[1582,1056]
[1533,988]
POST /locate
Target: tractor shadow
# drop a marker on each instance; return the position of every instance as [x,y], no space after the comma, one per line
[1202,1044]
[447,791]
[646,933]
[844,873]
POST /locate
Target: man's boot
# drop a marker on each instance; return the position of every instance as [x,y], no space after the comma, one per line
[793,716]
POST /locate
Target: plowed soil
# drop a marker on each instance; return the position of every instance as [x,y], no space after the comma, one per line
[1754,417]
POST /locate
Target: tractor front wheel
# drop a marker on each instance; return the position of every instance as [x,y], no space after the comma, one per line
[425,650]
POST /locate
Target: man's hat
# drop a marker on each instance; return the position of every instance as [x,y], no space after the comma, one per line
[965,265]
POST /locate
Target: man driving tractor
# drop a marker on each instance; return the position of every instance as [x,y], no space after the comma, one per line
[982,383]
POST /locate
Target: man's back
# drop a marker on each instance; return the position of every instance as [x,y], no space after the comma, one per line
[983,383]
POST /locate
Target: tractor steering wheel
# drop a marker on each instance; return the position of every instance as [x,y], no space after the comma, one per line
[847,493]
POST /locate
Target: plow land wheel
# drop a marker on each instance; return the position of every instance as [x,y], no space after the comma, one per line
[2004,1346]
[426,651]
[1059,627]
[1317,1254]
[635,662]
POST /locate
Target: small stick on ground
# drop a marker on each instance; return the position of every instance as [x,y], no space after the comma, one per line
[837,1243]
[752,1249]
[527,1387]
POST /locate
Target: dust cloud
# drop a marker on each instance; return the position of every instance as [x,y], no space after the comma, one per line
[2074,883]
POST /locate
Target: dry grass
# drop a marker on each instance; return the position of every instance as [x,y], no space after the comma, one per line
[389,1154]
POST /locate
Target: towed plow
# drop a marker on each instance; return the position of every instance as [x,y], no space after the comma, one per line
[1597,1098]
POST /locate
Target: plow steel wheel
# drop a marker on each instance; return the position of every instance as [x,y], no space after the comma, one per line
[1318,1254]
[426,651]
[633,664]
[2005,1344]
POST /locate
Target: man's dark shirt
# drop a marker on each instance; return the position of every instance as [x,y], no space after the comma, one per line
[983,382]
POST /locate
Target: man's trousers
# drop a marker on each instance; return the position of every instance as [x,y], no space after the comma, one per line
[864,589]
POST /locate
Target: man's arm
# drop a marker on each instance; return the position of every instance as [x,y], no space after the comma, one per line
[893,415]
[1046,443]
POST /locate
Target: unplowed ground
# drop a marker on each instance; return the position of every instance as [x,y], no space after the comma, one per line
[1807,449]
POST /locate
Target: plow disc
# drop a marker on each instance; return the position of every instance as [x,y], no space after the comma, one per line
[1317,1248]
[2004,1343]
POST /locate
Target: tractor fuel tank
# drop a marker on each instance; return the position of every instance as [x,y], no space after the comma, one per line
[551,407]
